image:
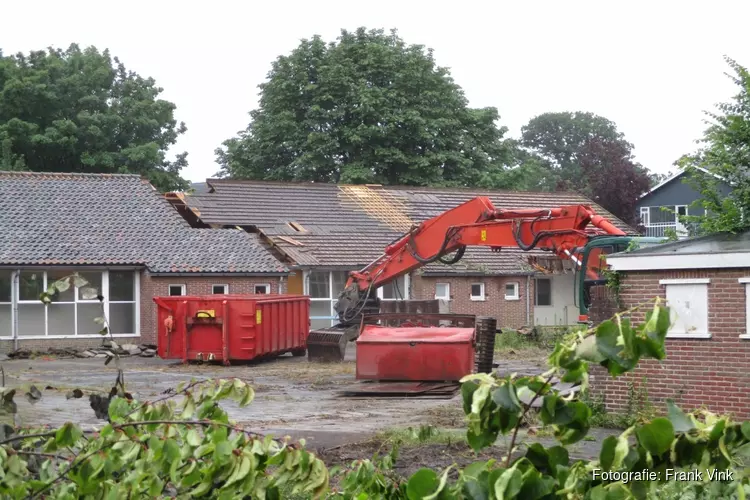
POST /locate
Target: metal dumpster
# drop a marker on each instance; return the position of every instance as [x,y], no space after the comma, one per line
[426,354]
[232,327]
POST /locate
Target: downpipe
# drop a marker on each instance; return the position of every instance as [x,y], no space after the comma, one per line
[14,300]
[528,300]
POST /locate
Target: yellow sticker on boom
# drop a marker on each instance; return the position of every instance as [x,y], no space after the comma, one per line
[483,235]
[258,316]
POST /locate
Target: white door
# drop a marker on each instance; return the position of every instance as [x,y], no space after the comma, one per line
[682,210]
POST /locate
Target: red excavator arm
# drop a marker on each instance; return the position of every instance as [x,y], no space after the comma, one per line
[564,231]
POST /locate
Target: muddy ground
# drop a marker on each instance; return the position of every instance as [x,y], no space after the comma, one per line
[294,398]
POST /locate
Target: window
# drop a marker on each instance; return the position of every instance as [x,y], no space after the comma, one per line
[219,289]
[688,303]
[743,281]
[477,291]
[73,311]
[645,220]
[397,289]
[443,291]
[6,303]
[543,292]
[265,288]
[324,287]
[511,291]
[177,290]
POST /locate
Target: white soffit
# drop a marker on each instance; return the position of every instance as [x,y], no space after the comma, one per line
[691,261]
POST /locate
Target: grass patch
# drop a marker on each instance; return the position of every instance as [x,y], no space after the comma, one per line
[424,434]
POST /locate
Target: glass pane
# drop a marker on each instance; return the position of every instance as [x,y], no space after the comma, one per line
[320,285]
[31,285]
[69,294]
[95,281]
[320,308]
[476,290]
[87,313]
[121,286]
[261,288]
[30,319]
[218,290]
[122,318]
[175,290]
[339,282]
[510,289]
[5,284]
[6,323]
[543,293]
[61,319]
[442,290]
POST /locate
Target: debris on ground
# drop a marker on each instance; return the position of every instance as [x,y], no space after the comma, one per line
[107,349]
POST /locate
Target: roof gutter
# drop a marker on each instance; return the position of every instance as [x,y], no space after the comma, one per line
[217,274]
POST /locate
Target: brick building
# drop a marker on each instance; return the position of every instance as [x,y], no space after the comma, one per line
[122,236]
[705,283]
[324,231]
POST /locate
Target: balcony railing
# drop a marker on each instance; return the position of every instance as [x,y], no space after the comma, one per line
[658,230]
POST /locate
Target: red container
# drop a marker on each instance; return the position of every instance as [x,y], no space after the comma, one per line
[422,354]
[232,327]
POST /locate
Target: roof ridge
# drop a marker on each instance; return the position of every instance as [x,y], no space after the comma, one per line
[64,174]
[400,187]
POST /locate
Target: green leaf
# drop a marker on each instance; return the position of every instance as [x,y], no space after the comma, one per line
[657,436]
[68,435]
[192,438]
[422,484]
[609,341]
[680,421]
[745,428]
[505,397]
[613,453]
[172,450]
[509,484]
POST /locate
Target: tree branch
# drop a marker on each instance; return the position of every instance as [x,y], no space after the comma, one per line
[523,416]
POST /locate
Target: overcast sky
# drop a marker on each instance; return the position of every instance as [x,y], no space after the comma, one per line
[652,67]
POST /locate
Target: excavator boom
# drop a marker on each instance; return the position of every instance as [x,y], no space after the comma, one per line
[564,230]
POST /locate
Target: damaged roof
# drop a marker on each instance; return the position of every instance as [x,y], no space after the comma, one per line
[344,226]
[112,219]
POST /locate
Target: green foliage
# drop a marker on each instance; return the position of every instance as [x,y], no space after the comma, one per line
[586,153]
[725,156]
[367,108]
[191,449]
[82,111]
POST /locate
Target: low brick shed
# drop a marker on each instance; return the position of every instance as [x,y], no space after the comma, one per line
[704,282]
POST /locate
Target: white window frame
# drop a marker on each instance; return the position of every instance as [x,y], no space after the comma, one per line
[536,293]
[15,296]
[477,298]
[267,286]
[404,290]
[12,301]
[746,282]
[516,290]
[225,292]
[331,297]
[183,290]
[689,281]
[447,289]
[646,216]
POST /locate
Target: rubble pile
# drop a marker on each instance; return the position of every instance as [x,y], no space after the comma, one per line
[107,349]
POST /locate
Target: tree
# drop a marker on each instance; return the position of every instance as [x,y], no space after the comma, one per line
[725,155]
[365,109]
[82,111]
[612,179]
[559,138]
[583,152]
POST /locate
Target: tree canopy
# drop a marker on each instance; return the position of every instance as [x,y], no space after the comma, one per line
[725,155]
[584,152]
[80,110]
[367,108]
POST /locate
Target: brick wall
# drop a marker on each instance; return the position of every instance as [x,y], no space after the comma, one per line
[159,286]
[509,313]
[696,372]
[603,303]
